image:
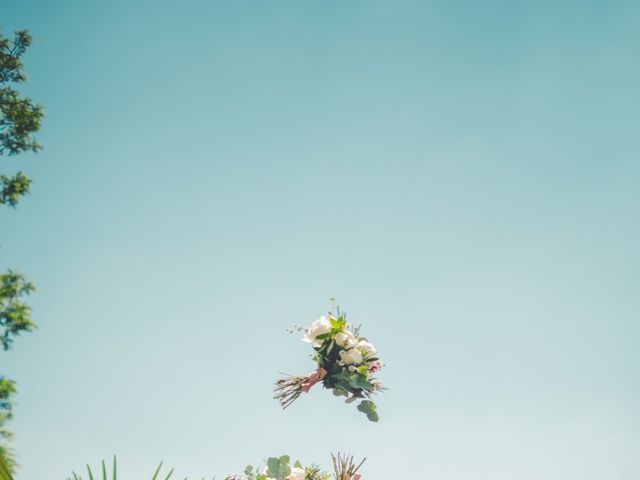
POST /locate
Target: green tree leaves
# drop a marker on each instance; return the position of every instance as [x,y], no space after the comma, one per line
[15,314]
[20,118]
[7,390]
[15,317]
[12,188]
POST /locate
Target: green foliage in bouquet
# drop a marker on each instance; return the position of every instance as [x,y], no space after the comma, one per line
[347,364]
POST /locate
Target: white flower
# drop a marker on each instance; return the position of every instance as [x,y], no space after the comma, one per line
[346,340]
[296,474]
[367,349]
[350,356]
[264,471]
[320,326]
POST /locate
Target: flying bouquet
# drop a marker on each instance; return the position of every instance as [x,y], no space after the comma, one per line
[346,361]
[280,468]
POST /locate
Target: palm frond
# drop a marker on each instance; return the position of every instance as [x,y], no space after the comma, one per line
[104,472]
[5,474]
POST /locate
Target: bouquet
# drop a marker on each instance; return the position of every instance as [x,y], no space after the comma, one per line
[279,468]
[346,361]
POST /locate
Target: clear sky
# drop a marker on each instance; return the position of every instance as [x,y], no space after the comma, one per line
[463,176]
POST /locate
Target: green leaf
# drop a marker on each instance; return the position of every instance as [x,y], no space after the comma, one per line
[5,474]
[338,324]
[15,314]
[284,469]
[273,466]
[369,409]
[155,475]
[169,475]
[357,380]
[340,391]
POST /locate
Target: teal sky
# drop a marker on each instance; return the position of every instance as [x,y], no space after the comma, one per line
[463,176]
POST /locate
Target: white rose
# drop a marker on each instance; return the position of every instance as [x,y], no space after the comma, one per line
[350,356]
[346,340]
[367,349]
[320,326]
[296,474]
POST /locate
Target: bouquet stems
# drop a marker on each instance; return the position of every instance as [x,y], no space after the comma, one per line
[288,389]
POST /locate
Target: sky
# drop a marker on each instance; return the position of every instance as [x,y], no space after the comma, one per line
[462,176]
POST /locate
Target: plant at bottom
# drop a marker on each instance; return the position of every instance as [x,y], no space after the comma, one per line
[280,468]
[103,474]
